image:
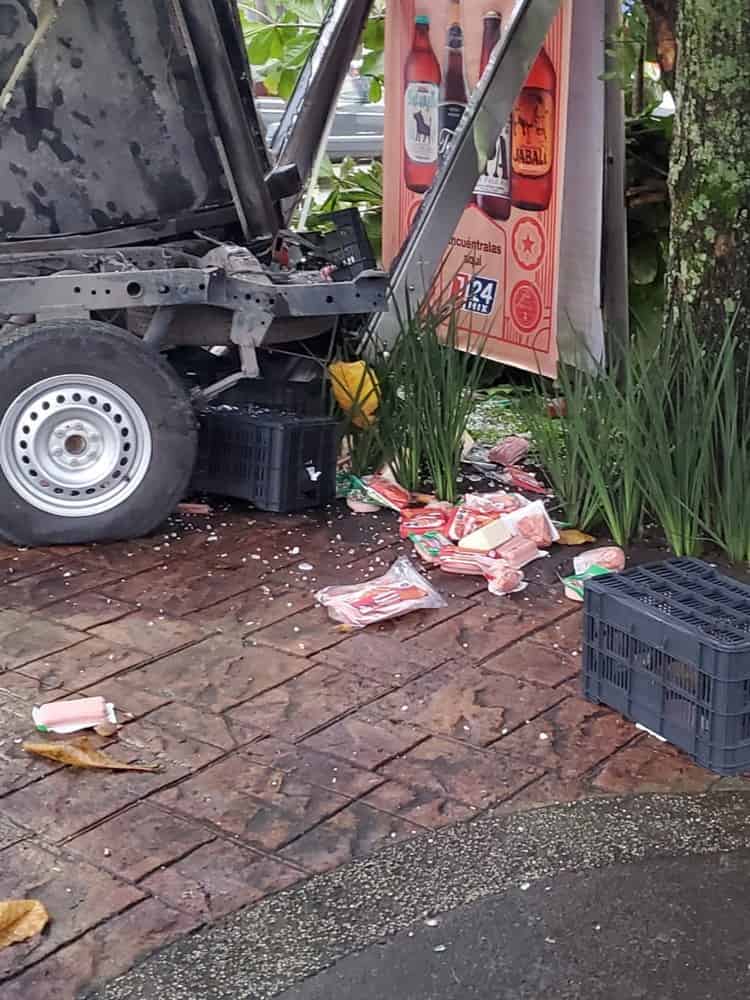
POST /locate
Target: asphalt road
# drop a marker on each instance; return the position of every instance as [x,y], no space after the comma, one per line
[661,930]
[619,899]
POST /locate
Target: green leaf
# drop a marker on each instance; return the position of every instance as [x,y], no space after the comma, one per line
[287,83]
[376,91]
[373,64]
[259,47]
[374,36]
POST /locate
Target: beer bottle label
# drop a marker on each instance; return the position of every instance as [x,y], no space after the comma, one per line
[495,181]
[451,114]
[421,122]
[533,132]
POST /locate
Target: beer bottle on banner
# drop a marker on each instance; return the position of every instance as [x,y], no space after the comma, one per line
[454,95]
[421,119]
[534,137]
[493,190]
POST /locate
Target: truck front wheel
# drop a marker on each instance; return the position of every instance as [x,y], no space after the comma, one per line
[97,435]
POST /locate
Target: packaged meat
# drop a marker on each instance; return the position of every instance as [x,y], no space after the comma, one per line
[494,503]
[416,522]
[524,480]
[401,590]
[609,557]
[510,451]
[488,537]
[533,522]
[383,491]
[453,560]
[463,521]
[519,552]
[503,579]
[65,717]
[429,544]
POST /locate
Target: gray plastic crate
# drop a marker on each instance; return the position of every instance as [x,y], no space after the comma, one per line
[668,645]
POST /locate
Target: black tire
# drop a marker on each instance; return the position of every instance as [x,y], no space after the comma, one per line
[85,347]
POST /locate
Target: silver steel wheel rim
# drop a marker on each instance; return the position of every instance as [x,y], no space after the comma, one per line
[74,445]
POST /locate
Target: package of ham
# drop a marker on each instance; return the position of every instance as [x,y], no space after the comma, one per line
[429,544]
[65,717]
[533,522]
[510,450]
[504,579]
[387,493]
[401,590]
[464,521]
[519,552]
[453,560]
[495,504]
[420,520]
[610,557]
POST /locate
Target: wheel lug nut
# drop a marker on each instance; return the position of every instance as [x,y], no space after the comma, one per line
[59,434]
[78,426]
[57,452]
[74,461]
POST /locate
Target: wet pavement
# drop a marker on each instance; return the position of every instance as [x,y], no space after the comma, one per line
[287,747]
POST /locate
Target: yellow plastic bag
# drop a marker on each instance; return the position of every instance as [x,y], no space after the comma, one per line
[356,390]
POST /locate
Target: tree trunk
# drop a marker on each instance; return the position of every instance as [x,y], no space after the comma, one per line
[710,170]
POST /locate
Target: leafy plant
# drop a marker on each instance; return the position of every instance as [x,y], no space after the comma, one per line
[427,384]
[352,185]
[280,34]
[558,444]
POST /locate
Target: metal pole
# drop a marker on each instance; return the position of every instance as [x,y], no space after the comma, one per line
[615,237]
[422,253]
[303,125]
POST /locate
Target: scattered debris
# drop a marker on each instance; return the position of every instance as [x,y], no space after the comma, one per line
[21,919]
[66,717]
[81,753]
[399,591]
[440,948]
[194,509]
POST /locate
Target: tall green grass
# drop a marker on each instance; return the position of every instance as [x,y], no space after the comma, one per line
[428,379]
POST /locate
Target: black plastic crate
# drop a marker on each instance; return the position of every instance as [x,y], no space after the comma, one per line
[345,243]
[668,645]
[280,462]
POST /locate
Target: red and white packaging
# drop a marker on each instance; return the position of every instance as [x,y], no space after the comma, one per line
[495,504]
[503,579]
[464,521]
[401,590]
[523,480]
[418,521]
[533,522]
[519,552]
[453,560]
[387,492]
[609,557]
[429,545]
[510,451]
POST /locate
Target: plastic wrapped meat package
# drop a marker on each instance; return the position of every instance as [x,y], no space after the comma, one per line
[510,451]
[610,557]
[533,522]
[399,591]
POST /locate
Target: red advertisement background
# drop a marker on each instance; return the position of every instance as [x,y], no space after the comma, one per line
[520,254]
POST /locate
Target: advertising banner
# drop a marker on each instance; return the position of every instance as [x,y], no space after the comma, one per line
[503,262]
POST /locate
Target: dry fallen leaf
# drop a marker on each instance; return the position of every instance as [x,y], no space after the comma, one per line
[80,753]
[573,536]
[20,919]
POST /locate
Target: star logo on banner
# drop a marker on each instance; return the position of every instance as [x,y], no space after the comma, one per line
[529,243]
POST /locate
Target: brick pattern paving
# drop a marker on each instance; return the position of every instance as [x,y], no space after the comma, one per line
[286,746]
